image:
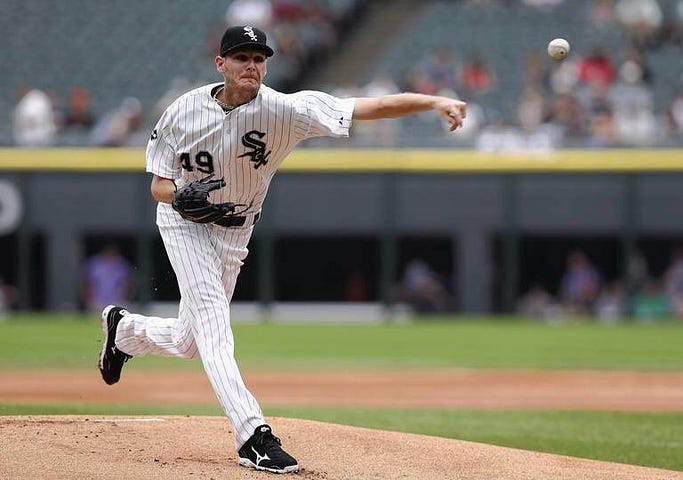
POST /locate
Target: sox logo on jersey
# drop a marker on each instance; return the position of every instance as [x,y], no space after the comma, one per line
[258,153]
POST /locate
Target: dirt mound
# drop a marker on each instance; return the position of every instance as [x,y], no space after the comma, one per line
[68,447]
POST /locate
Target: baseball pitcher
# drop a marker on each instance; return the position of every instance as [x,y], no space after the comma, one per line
[212,156]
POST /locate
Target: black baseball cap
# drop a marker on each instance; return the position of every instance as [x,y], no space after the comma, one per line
[244,36]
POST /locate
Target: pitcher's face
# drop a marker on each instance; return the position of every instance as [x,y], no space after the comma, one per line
[243,70]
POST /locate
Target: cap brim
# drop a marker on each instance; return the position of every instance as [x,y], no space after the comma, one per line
[255,45]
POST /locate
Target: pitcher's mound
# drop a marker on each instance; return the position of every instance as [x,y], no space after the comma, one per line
[67,447]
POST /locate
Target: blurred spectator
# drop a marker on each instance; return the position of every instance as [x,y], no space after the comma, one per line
[116,127]
[563,76]
[609,306]
[675,114]
[499,136]
[531,109]
[107,278]
[289,10]
[630,92]
[475,77]
[318,30]
[637,272]
[673,281]
[596,67]
[670,33]
[630,54]
[440,70]
[580,284]
[356,287]
[258,13]
[602,13]
[568,115]
[594,98]
[536,74]
[650,303]
[418,80]
[212,38]
[304,32]
[78,114]
[34,120]
[290,49]
[601,132]
[422,288]
[642,19]
[536,303]
[634,119]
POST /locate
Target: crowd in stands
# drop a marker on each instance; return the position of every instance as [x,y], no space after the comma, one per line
[302,33]
[37,122]
[107,277]
[592,99]
[423,289]
[584,292]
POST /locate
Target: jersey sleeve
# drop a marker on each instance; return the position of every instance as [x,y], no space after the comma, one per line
[326,115]
[160,157]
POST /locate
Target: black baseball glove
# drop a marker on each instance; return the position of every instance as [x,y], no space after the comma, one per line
[192,201]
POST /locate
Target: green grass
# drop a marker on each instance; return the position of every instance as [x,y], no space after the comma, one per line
[68,341]
[654,440]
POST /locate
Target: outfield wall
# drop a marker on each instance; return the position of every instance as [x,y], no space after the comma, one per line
[469,197]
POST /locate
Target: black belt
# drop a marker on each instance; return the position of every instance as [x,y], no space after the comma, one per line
[235,221]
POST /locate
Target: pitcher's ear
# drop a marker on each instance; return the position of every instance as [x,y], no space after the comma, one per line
[220,61]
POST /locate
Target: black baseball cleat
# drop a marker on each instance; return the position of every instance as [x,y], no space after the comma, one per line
[263,452]
[111,358]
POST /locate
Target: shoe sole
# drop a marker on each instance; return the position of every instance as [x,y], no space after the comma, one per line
[245,462]
[105,329]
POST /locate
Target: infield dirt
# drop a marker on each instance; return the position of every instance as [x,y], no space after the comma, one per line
[68,447]
[167,448]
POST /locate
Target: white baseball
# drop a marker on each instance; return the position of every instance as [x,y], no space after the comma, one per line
[558,48]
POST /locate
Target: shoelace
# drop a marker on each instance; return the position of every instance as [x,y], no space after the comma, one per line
[268,439]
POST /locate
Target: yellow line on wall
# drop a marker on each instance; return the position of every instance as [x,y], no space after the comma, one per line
[72,159]
[369,160]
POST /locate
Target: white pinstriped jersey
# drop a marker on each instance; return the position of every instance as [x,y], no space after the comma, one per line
[195,137]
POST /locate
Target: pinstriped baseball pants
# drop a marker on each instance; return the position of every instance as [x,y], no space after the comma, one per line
[206,260]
